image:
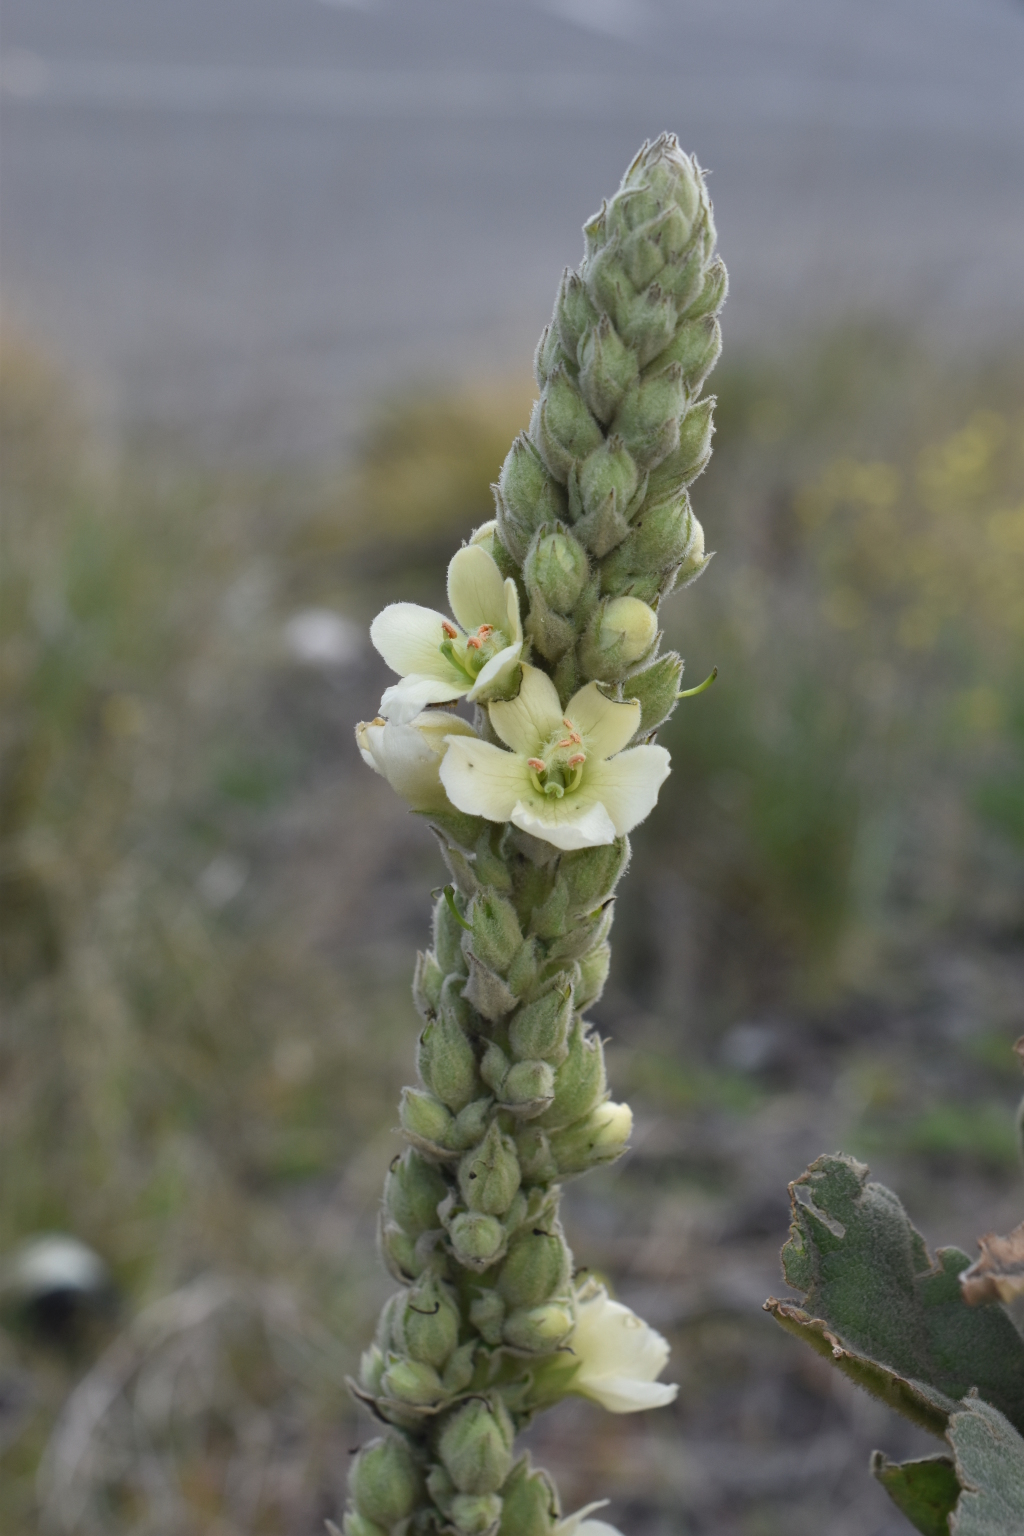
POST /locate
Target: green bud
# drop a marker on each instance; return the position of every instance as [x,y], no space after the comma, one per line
[712,293]
[594,968]
[494,1067]
[659,540]
[562,427]
[447,1064]
[489,1175]
[487,1313]
[648,418]
[539,1329]
[475,1446]
[477,1240]
[537,1266]
[426,984]
[491,868]
[695,559]
[599,1137]
[453,1005]
[557,567]
[441,1488]
[534,1153]
[655,689]
[647,322]
[539,1030]
[424,1119]
[475,1514]
[529,1503]
[608,368]
[524,970]
[489,994]
[371,1369]
[385,1482]
[398,1251]
[695,348]
[549,356]
[574,312]
[470,1124]
[668,175]
[412,1382]
[683,280]
[528,1088]
[579,1081]
[642,256]
[413,1190]
[427,1326]
[526,496]
[621,632]
[458,1373]
[592,874]
[549,632]
[448,937]
[584,934]
[686,461]
[496,934]
[356,1524]
[608,472]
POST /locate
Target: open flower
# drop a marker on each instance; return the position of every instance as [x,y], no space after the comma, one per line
[619,1355]
[567,779]
[440,661]
[409,756]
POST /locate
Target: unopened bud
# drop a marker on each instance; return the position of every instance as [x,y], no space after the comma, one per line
[537,1266]
[713,290]
[371,1369]
[470,1124]
[526,496]
[426,984]
[657,542]
[655,689]
[385,1481]
[675,472]
[534,1155]
[448,933]
[424,1118]
[475,1446]
[458,1373]
[695,559]
[487,1313]
[562,427]
[599,1137]
[607,369]
[428,1323]
[539,1329]
[413,1190]
[574,312]
[489,1175]
[539,1030]
[356,1524]
[529,1087]
[474,1514]
[447,1064]
[477,1240]
[648,418]
[620,633]
[485,536]
[579,1081]
[695,347]
[412,1382]
[529,1502]
[592,874]
[496,935]
[557,567]
[398,1250]
[594,967]
[608,472]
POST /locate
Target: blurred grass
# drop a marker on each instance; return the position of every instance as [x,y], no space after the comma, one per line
[200,889]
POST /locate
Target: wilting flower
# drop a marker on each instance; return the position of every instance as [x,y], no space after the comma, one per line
[567,779]
[440,661]
[409,756]
[619,1355]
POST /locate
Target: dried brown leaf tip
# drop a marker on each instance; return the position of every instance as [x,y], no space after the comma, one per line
[998,1272]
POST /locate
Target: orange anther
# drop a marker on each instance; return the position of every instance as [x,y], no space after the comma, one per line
[485,631]
[474,643]
[536,764]
[576,759]
[449,630]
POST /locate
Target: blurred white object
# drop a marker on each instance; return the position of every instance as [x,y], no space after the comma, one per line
[320,637]
[52,1263]
[222,879]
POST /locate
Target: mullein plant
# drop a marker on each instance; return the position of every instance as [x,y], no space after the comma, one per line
[554,639]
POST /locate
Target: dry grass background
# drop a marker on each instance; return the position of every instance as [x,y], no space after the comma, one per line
[209,912]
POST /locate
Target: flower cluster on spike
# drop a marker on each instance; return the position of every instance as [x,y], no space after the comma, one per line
[554,639]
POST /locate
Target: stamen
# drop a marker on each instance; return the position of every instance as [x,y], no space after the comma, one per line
[485,631]
[449,630]
[474,643]
[537,764]
[577,757]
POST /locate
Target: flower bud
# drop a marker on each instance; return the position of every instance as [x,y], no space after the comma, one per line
[371,1369]
[409,756]
[562,427]
[485,535]
[427,1326]
[574,312]
[539,1329]
[607,369]
[458,1373]
[489,1175]
[477,1240]
[475,1446]
[474,1514]
[487,1313]
[557,567]
[412,1382]
[648,418]
[549,355]
[621,631]
[529,1503]
[675,472]
[657,542]
[496,935]
[539,1030]
[470,1124]
[647,321]
[695,347]
[534,1155]
[713,290]
[594,968]
[528,1088]
[579,1081]
[356,1524]
[494,1067]
[426,984]
[398,1251]
[599,1137]
[537,1266]
[423,1118]
[695,559]
[385,1482]
[413,1190]
[526,496]
[655,689]
[591,874]
[448,938]
[608,471]
[447,1064]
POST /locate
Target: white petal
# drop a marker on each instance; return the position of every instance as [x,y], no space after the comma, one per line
[571,1524]
[482,780]
[436,725]
[403,701]
[568,823]
[476,590]
[624,1394]
[628,785]
[497,674]
[607,725]
[402,755]
[597,1527]
[527,721]
[409,638]
[515,628]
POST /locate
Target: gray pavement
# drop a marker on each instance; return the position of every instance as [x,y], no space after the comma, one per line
[242,219]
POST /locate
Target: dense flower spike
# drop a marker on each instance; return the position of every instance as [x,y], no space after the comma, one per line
[555,640]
